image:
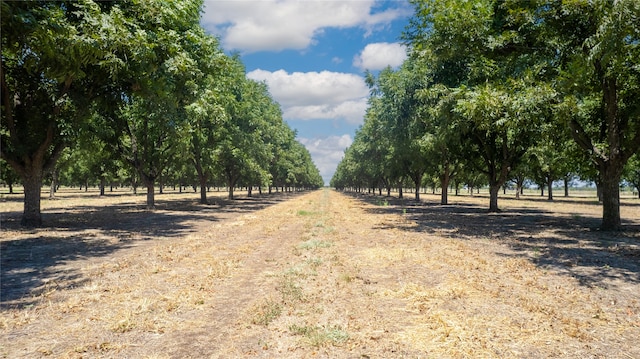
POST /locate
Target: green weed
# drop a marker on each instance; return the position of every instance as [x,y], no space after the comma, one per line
[318,336]
[381,202]
[306,213]
[290,290]
[267,312]
[314,244]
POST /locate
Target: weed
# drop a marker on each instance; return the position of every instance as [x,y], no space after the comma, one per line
[290,290]
[306,213]
[314,244]
[124,325]
[295,272]
[266,312]
[346,278]
[382,202]
[318,336]
[314,263]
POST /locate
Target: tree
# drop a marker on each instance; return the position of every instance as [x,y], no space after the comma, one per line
[598,45]
[241,150]
[489,54]
[443,138]
[207,113]
[8,175]
[631,173]
[396,104]
[150,113]
[54,57]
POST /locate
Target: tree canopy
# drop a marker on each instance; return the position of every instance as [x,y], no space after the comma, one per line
[138,79]
[496,87]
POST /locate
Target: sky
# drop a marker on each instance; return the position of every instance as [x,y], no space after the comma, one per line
[313,55]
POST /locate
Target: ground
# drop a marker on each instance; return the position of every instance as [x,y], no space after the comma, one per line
[318,274]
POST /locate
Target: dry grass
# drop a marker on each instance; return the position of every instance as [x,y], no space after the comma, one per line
[318,275]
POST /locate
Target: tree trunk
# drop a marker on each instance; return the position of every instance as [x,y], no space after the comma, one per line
[610,189]
[549,188]
[249,191]
[151,202]
[54,183]
[599,190]
[519,186]
[444,184]
[400,192]
[417,183]
[230,196]
[566,187]
[31,217]
[494,189]
[203,190]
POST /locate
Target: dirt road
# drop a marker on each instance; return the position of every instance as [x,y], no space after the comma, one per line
[321,274]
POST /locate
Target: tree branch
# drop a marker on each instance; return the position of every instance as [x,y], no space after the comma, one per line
[582,139]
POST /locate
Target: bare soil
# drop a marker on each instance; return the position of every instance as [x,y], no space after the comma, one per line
[319,274]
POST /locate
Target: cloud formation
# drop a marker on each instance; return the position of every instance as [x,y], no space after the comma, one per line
[379,55]
[275,25]
[317,95]
[327,152]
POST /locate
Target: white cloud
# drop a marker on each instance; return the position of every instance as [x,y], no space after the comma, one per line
[275,25]
[327,152]
[317,95]
[379,55]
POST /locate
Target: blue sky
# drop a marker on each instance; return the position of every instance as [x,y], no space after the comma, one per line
[313,55]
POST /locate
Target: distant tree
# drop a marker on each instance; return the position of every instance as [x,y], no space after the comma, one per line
[631,172]
[8,176]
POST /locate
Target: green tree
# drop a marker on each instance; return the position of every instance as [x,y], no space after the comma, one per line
[8,176]
[487,52]
[160,81]
[631,173]
[207,115]
[55,56]
[241,151]
[598,47]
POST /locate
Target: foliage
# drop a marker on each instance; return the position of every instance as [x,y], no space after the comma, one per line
[136,79]
[492,87]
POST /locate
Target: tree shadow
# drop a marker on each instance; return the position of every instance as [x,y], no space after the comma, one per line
[38,260]
[571,245]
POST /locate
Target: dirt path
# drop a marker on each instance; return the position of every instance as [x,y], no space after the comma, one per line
[329,275]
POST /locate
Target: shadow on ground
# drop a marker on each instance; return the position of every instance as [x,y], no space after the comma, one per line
[39,260]
[570,244]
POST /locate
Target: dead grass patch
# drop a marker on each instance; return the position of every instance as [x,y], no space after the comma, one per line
[321,275]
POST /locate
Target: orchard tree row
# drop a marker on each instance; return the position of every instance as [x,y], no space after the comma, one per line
[102,87]
[500,91]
